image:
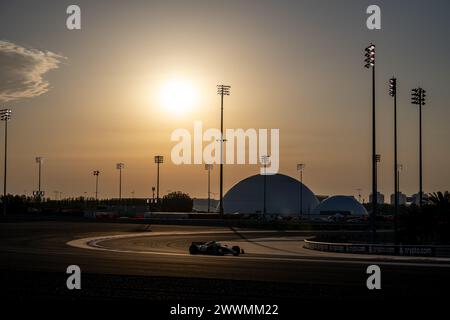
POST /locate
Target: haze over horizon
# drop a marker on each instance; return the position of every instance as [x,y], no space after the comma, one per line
[88,99]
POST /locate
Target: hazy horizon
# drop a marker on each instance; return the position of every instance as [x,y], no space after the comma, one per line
[292,65]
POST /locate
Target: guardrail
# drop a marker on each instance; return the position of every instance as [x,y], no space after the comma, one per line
[384,249]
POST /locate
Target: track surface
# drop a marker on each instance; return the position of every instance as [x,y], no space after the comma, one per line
[34,257]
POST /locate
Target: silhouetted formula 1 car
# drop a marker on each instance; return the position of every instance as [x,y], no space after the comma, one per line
[213,248]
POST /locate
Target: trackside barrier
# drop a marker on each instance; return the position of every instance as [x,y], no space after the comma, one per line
[362,248]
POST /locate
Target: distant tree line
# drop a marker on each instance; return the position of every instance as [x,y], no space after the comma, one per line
[427,225]
[173,202]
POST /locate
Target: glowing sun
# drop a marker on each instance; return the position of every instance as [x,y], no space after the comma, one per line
[178,96]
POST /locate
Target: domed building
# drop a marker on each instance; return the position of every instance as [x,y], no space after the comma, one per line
[282,196]
[344,205]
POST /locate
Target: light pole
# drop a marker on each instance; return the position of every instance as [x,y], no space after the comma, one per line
[158,161]
[153,195]
[393,94]
[300,168]
[399,169]
[120,166]
[222,90]
[265,161]
[377,160]
[39,193]
[370,63]
[96,173]
[418,97]
[209,167]
[359,194]
[5,115]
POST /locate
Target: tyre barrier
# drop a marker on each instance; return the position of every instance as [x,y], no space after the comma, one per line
[381,249]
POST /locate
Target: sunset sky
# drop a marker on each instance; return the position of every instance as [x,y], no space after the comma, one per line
[292,65]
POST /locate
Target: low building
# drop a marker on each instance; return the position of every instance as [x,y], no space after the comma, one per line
[402,199]
[284,196]
[342,205]
[380,198]
[201,205]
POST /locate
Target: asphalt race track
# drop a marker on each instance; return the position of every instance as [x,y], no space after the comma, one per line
[151,262]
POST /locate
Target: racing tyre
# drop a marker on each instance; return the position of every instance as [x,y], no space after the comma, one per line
[193,249]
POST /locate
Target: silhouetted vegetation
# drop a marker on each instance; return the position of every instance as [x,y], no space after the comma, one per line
[429,225]
[177,202]
[21,204]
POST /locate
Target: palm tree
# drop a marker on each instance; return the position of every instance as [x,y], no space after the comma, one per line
[440,199]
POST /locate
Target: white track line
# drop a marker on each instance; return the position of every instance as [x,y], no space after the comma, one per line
[93,243]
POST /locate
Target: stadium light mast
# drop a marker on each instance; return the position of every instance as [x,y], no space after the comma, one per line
[96,173]
[300,169]
[359,194]
[153,194]
[39,193]
[222,90]
[158,161]
[418,97]
[209,167]
[400,168]
[393,94]
[5,115]
[120,166]
[265,161]
[370,63]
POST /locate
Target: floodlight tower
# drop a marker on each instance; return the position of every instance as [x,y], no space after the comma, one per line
[265,159]
[158,161]
[222,90]
[359,194]
[153,195]
[399,169]
[393,94]
[370,63]
[300,169]
[418,97]
[5,115]
[120,166]
[96,173]
[39,161]
[209,167]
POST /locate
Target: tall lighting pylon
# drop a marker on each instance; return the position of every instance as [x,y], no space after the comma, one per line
[370,63]
[120,166]
[5,115]
[209,167]
[300,169]
[418,98]
[265,159]
[158,161]
[393,94]
[96,173]
[222,90]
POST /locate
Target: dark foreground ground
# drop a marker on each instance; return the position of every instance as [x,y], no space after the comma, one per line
[34,257]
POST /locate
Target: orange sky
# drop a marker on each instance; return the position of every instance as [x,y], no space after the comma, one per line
[289,68]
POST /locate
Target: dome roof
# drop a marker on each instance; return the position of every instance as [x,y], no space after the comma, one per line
[342,205]
[282,196]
